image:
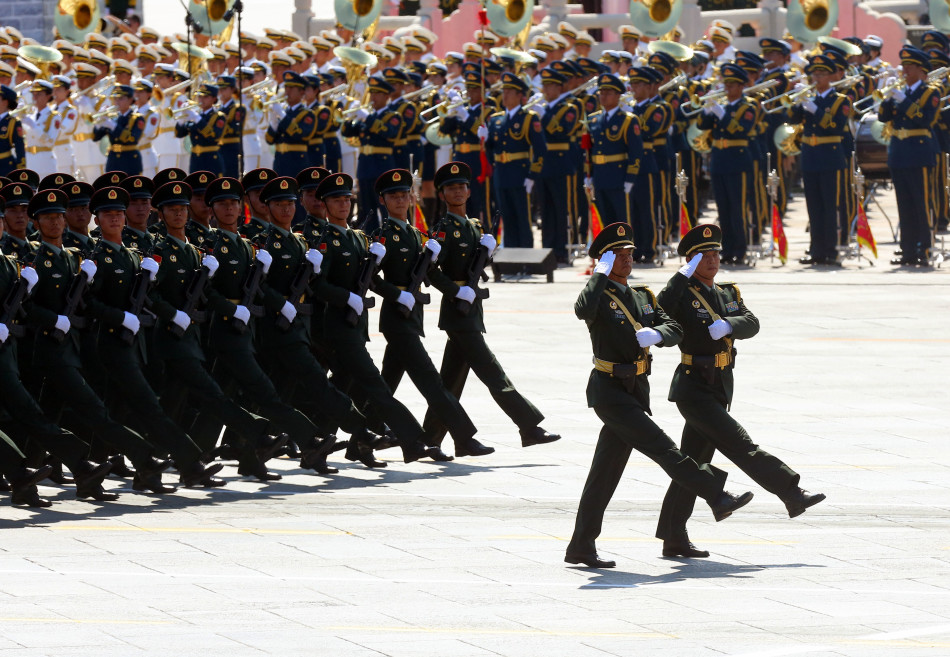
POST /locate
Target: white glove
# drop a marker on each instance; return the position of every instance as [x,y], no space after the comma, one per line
[264,258]
[62,323]
[488,241]
[589,182]
[889,82]
[898,95]
[461,113]
[482,132]
[193,116]
[799,86]
[606,263]
[466,293]
[377,250]
[720,329]
[718,110]
[434,248]
[31,277]
[689,268]
[809,106]
[528,185]
[242,314]
[453,96]
[647,337]
[627,187]
[288,311]
[108,124]
[4,333]
[182,320]
[211,263]
[356,303]
[149,265]
[315,258]
[89,268]
[361,114]
[131,322]
[406,299]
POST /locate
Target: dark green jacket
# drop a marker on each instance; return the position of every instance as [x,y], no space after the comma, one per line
[313,232]
[84,243]
[339,273]
[614,338]
[235,256]
[143,243]
[111,293]
[404,245]
[178,264]
[199,235]
[252,229]
[20,250]
[688,382]
[287,250]
[459,238]
[56,272]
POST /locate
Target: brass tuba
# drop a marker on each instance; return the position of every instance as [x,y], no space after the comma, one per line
[76,18]
[655,17]
[940,15]
[358,16]
[788,139]
[209,14]
[509,17]
[42,57]
[809,19]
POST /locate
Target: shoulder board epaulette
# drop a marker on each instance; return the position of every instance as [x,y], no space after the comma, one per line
[734,286]
[495,114]
[72,249]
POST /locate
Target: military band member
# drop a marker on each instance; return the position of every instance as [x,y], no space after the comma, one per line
[514,140]
[12,145]
[649,193]
[624,322]
[166,146]
[234,117]
[776,54]
[123,132]
[462,124]
[321,114]
[68,118]
[331,140]
[204,127]
[153,119]
[910,113]
[42,129]
[712,317]
[824,161]
[400,318]
[15,241]
[290,128]
[254,117]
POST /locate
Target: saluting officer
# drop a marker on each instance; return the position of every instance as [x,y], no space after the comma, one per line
[234,117]
[624,322]
[712,317]
[123,132]
[290,128]
[13,153]
[205,129]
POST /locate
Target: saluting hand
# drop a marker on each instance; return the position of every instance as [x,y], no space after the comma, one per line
[689,268]
[606,263]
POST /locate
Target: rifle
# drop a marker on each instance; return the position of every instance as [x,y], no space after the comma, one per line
[363,285]
[251,288]
[420,271]
[11,307]
[194,294]
[476,274]
[139,296]
[73,300]
[298,287]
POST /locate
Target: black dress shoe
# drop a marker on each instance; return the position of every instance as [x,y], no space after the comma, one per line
[198,472]
[472,447]
[225,452]
[96,492]
[385,440]
[56,475]
[89,476]
[437,455]
[213,482]
[416,450]
[119,467]
[259,471]
[26,478]
[151,467]
[268,445]
[537,436]
[151,483]
[726,503]
[318,452]
[806,260]
[801,500]
[29,496]
[318,465]
[363,454]
[683,549]
[589,560]
[4,486]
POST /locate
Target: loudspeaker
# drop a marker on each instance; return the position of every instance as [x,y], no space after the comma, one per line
[512,261]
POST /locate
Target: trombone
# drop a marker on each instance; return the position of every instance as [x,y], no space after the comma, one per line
[445,106]
[719,94]
[186,107]
[101,115]
[790,98]
[98,86]
[878,96]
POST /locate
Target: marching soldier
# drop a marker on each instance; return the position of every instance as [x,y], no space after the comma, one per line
[135,233]
[15,242]
[205,129]
[13,153]
[291,128]
[234,117]
[712,317]
[253,183]
[124,133]
[198,230]
[78,217]
[462,240]
[514,140]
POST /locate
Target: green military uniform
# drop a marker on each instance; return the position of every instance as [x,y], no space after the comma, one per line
[619,392]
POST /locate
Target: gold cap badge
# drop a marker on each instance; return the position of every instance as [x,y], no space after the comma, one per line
[112,195]
[225,185]
[52,197]
[707,232]
[621,231]
[176,189]
[455,168]
[396,177]
[284,184]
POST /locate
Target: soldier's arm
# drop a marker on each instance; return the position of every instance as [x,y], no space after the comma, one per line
[589,299]
[134,133]
[744,325]
[669,328]
[157,303]
[671,296]
[39,316]
[634,151]
[928,105]
[96,305]
[19,145]
[538,146]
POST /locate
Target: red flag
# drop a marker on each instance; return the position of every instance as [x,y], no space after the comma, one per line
[778,235]
[419,220]
[863,230]
[596,223]
[483,161]
[685,223]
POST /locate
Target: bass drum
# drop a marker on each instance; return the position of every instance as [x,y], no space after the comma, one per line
[871,153]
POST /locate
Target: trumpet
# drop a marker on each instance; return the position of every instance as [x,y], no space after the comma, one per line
[277,98]
[446,106]
[162,94]
[176,113]
[425,90]
[790,98]
[338,89]
[258,87]
[22,109]
[98,86]
[101,115]
[878,96]
[720,94]
[677,80]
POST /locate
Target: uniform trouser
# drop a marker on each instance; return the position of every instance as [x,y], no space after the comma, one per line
[149,162]
[147,416]
[190,374]
[362,380]
[628,427]
[43,163]
[405,354]
[10,455]
[732,193]
[90,417]
[612,204]
[229,154]
[759,202]
[710,427]
[913,188]
[823,191]
[643,208]
[296,362]
[512,202]
[554,195]
[478,202]
[467,350]
[129,162]
[367,217]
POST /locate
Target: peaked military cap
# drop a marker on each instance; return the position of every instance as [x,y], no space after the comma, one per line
[9,95]
[733,73]
[138,186]
[109,179]
[395,180]
[25,176]
[820,63]
[199,181]
[618,235]
[168,175]
[207,90]
[281,188]
[912,55]
[172,193]
[257,178]
[662,62]
[337,184]
[938,59]
[611,82]
[395,76]
[452,173]
[550,76]
[310,178]
[78,193]
[46,202]
[701,237]
[930,39]
[122,91]
[512,81]
[768,44]
[223,189]
[473,79]
[109,198]
[378,85]
[16,193]
[292,79]
[55,181]
[226,81]
[639,74]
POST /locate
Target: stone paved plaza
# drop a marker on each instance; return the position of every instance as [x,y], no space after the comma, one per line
[846,382]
